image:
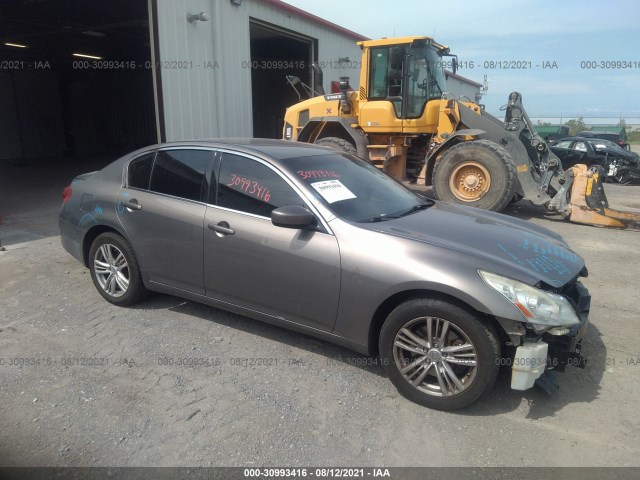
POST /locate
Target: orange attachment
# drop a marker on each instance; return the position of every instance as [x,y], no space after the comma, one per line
[587,183]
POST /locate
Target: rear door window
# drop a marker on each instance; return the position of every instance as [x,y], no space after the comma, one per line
[580,146]
[181,173]
[139,171]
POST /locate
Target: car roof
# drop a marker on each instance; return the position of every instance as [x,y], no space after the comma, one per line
[594,133]
[278,149]
[571,139]
[585,139]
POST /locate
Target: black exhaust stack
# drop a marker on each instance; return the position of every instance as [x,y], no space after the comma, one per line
[317,78]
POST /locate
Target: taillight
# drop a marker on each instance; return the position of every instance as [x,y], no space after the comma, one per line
[66,194]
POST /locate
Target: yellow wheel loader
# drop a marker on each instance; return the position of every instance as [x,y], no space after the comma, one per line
[402,120]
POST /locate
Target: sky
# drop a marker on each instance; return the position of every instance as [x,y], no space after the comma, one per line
[575,35]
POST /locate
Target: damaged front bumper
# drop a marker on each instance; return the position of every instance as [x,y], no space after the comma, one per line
[539,355]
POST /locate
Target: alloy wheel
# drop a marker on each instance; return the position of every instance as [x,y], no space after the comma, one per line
[111,270]
[435,356]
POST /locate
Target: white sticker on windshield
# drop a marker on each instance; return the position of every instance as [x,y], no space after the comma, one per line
[333,190]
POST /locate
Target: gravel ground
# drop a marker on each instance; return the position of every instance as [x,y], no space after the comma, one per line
[97,387]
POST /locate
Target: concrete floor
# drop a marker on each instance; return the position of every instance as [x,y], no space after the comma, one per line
[96,389]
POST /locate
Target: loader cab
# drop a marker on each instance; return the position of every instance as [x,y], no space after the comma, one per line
[400,79]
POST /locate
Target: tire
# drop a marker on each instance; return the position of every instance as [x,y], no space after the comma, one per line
[464,328]
[479,174]
[621,179]
[516,198]
[115,271]
[338,144]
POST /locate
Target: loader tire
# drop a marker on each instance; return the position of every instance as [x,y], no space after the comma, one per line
[338,144]
[478,174]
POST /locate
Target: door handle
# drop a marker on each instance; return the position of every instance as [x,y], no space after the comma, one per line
[222,227]
[132,205]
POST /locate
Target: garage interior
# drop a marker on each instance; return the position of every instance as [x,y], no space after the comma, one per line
[57,109]
[271,94]
[58,117]
[63,115]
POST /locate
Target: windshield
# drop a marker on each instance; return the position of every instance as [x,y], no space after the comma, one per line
[426,78]
[354,189]
[606,143]
[436,72]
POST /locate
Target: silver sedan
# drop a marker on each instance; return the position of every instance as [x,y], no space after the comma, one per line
[326,244]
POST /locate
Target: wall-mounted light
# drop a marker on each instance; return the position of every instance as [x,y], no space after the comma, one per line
[91,33]
[192,17]
[84,55]
[17,45]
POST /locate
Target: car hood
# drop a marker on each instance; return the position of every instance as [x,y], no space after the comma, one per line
[509,246]
[621,152]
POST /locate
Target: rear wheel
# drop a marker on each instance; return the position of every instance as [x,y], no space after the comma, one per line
[438,354]
[338,144]
[114,270]
[479,173]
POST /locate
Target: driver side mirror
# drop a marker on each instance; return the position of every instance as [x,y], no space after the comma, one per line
[293,216]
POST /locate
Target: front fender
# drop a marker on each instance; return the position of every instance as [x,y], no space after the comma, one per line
[320,127]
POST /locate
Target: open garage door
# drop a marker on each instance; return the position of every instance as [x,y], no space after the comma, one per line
[276,53]
[76,81]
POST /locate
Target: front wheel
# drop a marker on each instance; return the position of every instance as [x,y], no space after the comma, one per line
[438,354]
[479,174]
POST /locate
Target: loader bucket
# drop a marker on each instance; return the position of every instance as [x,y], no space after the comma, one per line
[589,204]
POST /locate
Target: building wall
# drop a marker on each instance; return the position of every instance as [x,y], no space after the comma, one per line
[462,89]
[210,96]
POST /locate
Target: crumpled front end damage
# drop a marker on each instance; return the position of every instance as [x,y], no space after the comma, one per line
[542,351]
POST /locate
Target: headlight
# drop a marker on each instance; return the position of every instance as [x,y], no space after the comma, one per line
[537,306]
